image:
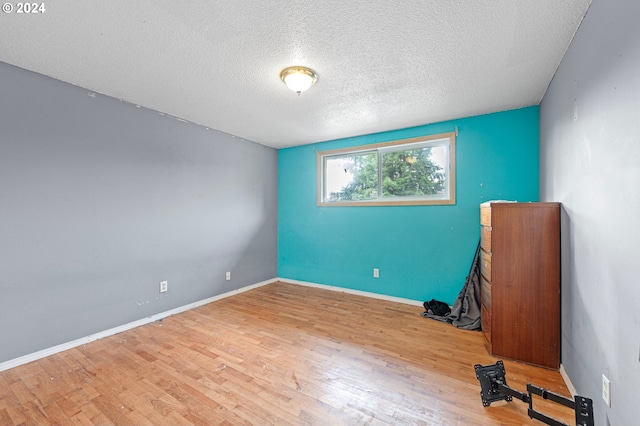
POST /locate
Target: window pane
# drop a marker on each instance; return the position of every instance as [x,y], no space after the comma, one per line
[415,172]
[351,177]
[412,171]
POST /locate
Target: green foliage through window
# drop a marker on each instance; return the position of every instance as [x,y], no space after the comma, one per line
[401,172]
[411,173]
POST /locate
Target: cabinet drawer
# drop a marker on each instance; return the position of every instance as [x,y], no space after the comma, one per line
[485,238]
[485,265]
[486,293]
[485,216]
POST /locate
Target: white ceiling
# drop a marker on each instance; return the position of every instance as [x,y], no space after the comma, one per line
[382,65]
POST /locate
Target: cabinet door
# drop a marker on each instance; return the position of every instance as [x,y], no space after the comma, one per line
[525,284]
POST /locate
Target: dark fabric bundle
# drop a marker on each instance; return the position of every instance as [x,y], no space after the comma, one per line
[436,307]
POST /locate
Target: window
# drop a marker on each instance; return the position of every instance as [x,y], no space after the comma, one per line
[404,172]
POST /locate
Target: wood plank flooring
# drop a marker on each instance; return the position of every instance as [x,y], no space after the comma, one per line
[279,354]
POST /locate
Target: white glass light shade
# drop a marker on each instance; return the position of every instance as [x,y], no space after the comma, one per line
[298,79]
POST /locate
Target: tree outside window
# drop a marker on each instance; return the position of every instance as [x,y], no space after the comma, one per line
[415,171]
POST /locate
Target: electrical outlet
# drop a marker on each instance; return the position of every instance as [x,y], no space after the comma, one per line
[228,276]
[164,286]
[376,273]
[606,390]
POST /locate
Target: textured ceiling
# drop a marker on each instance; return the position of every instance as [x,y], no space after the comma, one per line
[382,65]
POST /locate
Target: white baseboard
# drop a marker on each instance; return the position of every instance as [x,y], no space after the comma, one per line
[84,340]
[567,381]
[356,292]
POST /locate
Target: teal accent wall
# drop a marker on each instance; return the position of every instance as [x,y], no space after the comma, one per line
[422,252]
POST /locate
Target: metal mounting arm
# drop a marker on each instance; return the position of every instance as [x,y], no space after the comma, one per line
[494,387]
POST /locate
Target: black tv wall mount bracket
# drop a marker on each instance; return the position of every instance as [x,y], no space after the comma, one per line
[494,388]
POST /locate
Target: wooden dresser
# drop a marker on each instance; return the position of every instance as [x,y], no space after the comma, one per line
[520,266]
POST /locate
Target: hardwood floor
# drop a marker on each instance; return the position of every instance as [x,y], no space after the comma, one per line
[278,354]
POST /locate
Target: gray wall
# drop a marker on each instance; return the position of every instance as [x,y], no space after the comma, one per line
[590,161]
[101,200]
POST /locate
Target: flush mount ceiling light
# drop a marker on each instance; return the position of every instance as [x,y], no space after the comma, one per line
[298,79]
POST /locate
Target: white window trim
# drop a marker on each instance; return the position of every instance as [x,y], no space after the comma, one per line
[381,148]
